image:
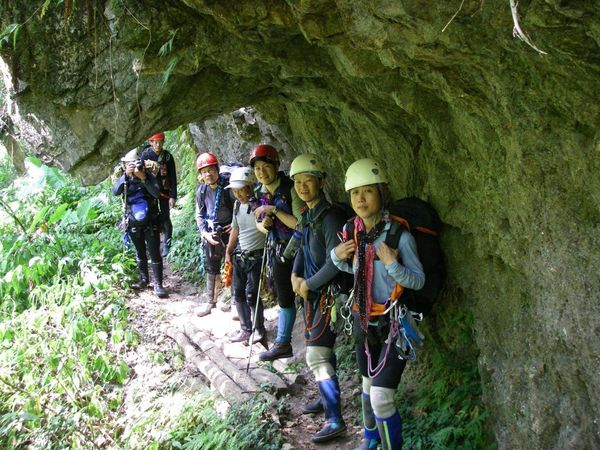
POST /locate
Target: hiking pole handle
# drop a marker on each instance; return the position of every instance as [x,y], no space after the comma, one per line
[255,312]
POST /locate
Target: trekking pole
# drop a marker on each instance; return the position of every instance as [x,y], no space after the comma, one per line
[251,343]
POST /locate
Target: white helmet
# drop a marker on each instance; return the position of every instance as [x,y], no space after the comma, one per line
[307,163]
[131,156]
[241,177]
[364,172]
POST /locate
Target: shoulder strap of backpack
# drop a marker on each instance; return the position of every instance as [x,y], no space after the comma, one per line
[392,239]
[236,207]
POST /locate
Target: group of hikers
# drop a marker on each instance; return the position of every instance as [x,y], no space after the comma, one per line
[282,230]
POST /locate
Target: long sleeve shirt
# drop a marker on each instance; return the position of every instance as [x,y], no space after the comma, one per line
[205,203]
[167,174]
[408,274]
[319,238]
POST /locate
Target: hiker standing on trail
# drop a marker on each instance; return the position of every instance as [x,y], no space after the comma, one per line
[167,181]
[214,210]
[278,212]
[247,257]
[313,277]
[140,192]
[380,275]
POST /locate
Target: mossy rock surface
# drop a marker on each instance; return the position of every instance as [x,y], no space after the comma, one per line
[502,140]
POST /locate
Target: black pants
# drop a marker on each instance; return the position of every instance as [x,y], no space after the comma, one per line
[165,218]
[317,319]
[146,239]
[214,254]
[282,279]
[390,375]
[246,277]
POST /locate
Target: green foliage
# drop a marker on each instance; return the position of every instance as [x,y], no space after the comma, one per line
[186,255]
[444,409]
[167,47]
[169,69]
[176,421]
[245,427]
[62,324]
[164,50]
[11,30]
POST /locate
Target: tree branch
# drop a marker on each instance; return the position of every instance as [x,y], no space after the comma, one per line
[517,31]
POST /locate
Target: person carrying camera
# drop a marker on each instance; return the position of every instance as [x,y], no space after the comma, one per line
[214,211]
[140,192]
[167,182]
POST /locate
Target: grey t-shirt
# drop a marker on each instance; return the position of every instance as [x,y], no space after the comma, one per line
[249,238]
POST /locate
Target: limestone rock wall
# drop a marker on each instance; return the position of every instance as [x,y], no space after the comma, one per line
[501,139]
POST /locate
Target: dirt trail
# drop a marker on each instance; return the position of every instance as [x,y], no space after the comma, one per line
[155,373]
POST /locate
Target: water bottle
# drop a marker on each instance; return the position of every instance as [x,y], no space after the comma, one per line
[293,245]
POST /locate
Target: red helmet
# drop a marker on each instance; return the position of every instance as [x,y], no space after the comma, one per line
[265,152]
[157,137]
[205,160]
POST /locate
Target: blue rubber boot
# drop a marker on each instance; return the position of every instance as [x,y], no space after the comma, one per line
[390,430]
[371,438]
[334,426]
[370,425]
[317,406]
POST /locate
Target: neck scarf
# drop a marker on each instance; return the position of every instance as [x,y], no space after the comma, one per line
[363,279]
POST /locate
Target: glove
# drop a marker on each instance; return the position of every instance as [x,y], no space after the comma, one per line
[117,172]
[152,166]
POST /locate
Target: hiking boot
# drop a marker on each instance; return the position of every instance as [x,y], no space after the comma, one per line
[313,407]
[205,309]
[278,351]
[157,271]
[142,284]
[143,271]
[242,336]
[331,430]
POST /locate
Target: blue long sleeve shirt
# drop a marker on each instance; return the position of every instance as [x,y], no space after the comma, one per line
[408,274]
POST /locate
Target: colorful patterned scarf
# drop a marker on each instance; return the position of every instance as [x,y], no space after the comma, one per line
[363,279]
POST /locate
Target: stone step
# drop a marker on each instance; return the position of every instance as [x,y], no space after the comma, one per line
[218,379]
[214,353]
[225,363]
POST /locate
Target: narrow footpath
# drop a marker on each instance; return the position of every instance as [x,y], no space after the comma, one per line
[169,327]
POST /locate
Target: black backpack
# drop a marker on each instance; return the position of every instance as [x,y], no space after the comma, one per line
[343,280]
[424,223]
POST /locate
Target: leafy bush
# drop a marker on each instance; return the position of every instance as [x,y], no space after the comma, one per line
[62,324]
[186,255]
[443,409]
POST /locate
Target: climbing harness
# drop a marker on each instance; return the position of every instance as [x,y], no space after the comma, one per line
[326,305]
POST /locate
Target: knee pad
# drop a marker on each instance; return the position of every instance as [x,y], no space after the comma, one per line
[382,401]
[318,360]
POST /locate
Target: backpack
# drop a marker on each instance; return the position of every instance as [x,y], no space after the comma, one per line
[226,169]
[344,280]
[227,199]
[424,223]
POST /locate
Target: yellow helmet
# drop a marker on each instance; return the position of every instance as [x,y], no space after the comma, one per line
[364,172]
[307,163]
